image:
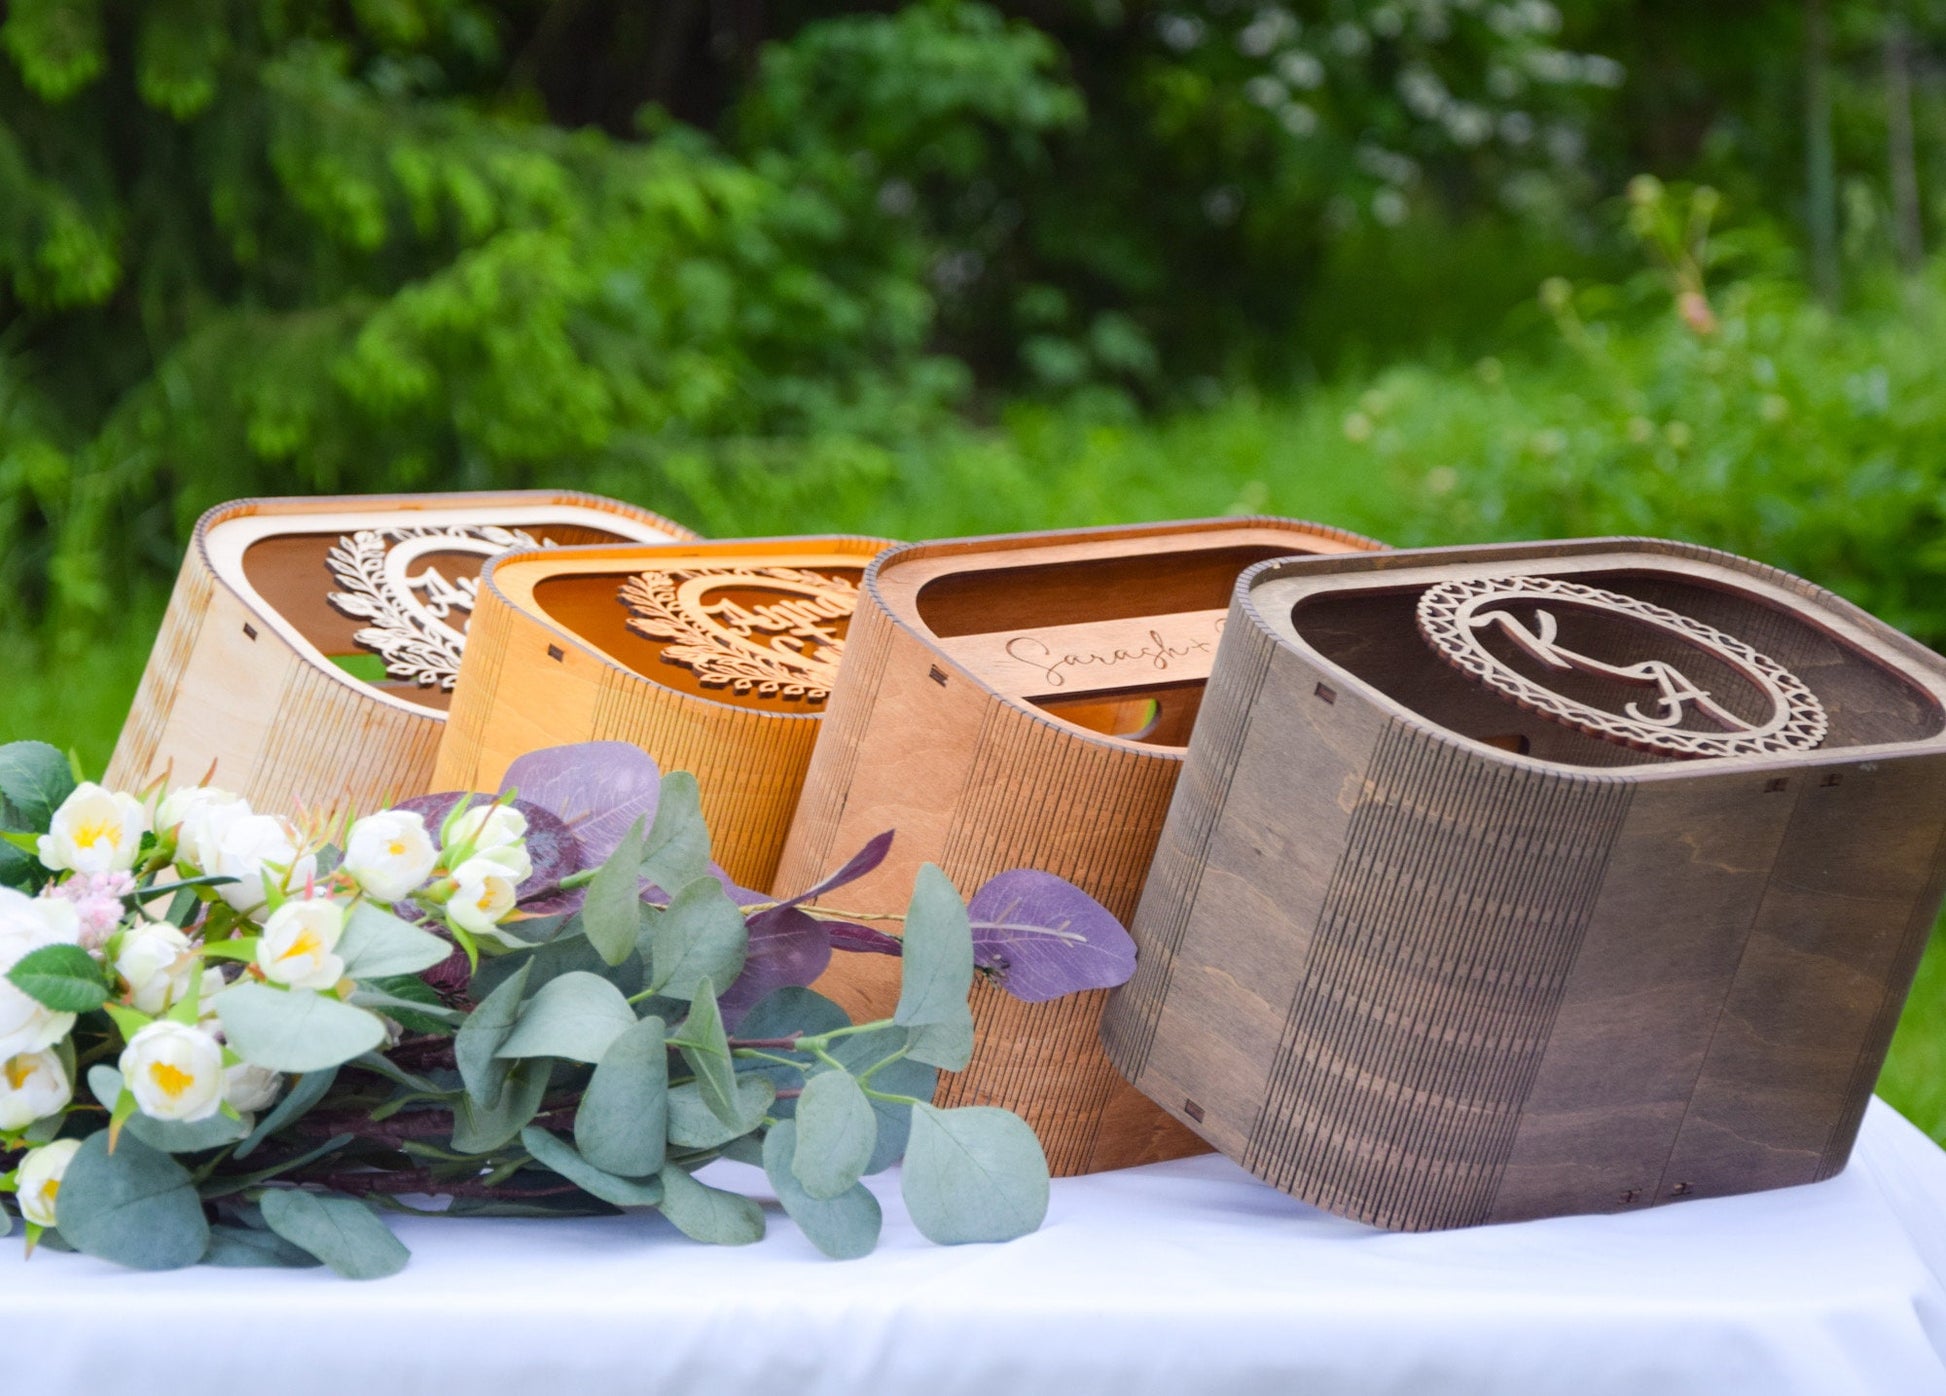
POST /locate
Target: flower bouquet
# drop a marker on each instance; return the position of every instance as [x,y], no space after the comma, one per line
[234,1037]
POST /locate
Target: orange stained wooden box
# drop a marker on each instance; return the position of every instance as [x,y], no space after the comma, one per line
[310,646]
[715,658]
[1023,701]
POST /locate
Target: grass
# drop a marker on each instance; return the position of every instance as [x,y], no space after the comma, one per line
[1040,469]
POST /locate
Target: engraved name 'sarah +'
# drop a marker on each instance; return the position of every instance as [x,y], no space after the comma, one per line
[1124,654]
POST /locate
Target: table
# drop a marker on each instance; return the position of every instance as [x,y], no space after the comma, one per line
[1185,1277]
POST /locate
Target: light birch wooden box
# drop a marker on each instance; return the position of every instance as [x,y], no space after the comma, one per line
[715,658]
[311,644]
[1517,881]
[1022,701]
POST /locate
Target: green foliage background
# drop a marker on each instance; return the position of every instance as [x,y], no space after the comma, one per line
[954,266]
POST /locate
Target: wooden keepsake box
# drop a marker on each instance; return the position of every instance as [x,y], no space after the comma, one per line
[1507,882]
[1022,701]
[715,658]
[311,646]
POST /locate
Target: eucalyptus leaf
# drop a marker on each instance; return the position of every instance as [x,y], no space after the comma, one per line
[557,1154]
[706,1048]
[574,1017]
[699,936]
[340,1231]
[844,1226]
[704,1213]
[677,852]
[382,1001]
[622,1123]
[865,1052]
[484,1033]
[64,978]
[136,1206]
[694,1124]
[567,952]
[241,1247]
[294,1030]
[304,1093]
[947,1045]
[611,916]
[938,970]
[170,1136]
[973,1174]
[480,1129]
[836,1133]
[376,944]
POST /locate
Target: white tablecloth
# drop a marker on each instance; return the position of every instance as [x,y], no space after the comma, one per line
[1185,1278]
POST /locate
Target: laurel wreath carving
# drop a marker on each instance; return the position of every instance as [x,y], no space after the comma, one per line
[413,639]
[658,611]
[1797,721]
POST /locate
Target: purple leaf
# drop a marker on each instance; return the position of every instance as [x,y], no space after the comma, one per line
[862,940]
[1042,937]
[862,862]
[598,789]
[787,946]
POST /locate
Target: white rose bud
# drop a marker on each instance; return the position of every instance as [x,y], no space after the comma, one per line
[175,1071]
[251,1088]
[297,943]
[33,1086]
[199,815]
[155,963]
[252,847]
[484,895]
[40,1178]
[94,831]
[390,854]
[487,828]
[27,924]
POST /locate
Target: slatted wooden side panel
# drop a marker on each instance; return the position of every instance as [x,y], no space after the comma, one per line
[134,761]
[489,637]
[1449,929]
[331,749]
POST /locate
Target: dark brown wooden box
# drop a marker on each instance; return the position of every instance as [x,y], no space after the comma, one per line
[1427,956]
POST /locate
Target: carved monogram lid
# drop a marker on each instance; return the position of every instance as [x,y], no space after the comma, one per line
[1108,630]
[1604,652]
[753,623]
[379,590]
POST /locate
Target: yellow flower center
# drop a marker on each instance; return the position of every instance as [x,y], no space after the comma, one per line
[19,1072]
[50,1190]
[170,1081]
[101,831]
[396,848]
[307,943]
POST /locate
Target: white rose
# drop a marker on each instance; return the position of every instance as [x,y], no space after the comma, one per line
[95,831]
[40,1178]
[485,894]
[251,1088]
[200,815]
[297,943]
[26,924]
[175,1071]
[155,963]
[487,828]
[252,847]
[33,1086]
[390,854]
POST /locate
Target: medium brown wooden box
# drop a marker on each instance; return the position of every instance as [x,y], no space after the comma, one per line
[715,658]
[293,696]
[1022,701]
[1426,951]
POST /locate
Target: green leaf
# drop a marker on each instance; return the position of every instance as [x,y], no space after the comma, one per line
[376,944]
[700,936]
[704,1213]
[973,1174]
[574,1017]
[64,978]
[241,1247]
[947,1045]
[555,1153]
[294,1030]
[340,1231]
[694,1123]
[622,1123]
[938,956]
[484,1033]
[136,1206]
[864,1051]
[304,1093]
[34,779]
[836,1132]
[844,1226]
[380,1001]
[706,1047]
[678,844]
[611,915]
[170,1136]
[479,1129]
